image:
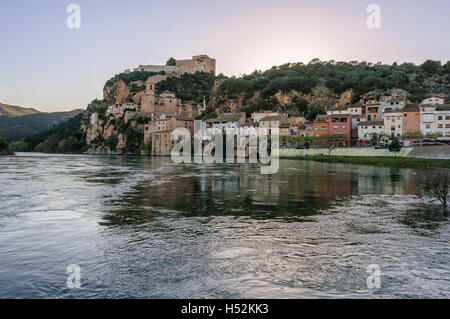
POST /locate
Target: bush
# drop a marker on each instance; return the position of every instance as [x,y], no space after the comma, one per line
[19,146]
[111,142]
[3,144]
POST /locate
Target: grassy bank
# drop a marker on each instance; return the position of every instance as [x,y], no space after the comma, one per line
[407,162]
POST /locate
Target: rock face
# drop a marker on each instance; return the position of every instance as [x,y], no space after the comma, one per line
[119,92]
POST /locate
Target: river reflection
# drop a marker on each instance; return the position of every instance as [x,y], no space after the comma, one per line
[148,228]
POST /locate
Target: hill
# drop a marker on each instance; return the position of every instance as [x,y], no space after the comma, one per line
[17,128]
[15,111]
[294,88]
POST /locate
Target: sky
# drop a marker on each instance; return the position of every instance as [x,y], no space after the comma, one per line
[48,66]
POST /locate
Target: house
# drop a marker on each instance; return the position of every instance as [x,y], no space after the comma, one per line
[340,124]
[411,119]
[162,143]
[224,121]
[269,122]
[435,119]
[356,109]
[320,126]
[393,124]
[392,105]
[373,112]
[305,129]
[338,110]
[433,101]
[285,129]
[257,116]
[367,130]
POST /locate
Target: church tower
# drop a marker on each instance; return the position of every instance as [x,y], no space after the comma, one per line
[149,98]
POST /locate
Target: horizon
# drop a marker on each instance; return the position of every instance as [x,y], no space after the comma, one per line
[68,67]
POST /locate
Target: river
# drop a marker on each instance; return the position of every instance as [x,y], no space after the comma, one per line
[141,227]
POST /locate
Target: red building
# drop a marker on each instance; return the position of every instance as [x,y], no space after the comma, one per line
[340,125]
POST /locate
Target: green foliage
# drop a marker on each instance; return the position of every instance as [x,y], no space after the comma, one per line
[111,142]
[19,146]
[171,62]
[130,77]
[195,87]
[133,140]
[134,88]
[66,137]
[3,145]
[17,128]
[39,148]
[361,77]
[431,66]
[395,146]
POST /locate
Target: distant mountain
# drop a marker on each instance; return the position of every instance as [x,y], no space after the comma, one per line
[15,111]
[17,128]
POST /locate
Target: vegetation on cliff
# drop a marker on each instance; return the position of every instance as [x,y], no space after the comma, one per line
[66,137]
[260,88]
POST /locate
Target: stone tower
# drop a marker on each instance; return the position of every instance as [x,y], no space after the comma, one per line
[149,98]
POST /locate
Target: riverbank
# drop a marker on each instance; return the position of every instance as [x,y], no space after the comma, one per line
[6,152]
[403,162]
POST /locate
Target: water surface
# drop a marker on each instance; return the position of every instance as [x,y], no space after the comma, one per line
[147,228]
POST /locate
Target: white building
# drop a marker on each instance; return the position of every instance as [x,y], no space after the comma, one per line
[433,101]
[367,129]
[393,124]
[435,119]
[392,105]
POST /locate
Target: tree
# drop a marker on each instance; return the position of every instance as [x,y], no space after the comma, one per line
[395,146]
[3,144]
[436,183]
[171,62]
[431,66]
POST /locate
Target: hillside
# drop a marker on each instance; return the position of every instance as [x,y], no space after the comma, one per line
[17,128]
[15,111]
[294,88]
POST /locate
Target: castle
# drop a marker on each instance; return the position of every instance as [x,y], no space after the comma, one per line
[198,63]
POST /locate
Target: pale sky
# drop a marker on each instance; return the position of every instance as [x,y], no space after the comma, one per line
[45,65]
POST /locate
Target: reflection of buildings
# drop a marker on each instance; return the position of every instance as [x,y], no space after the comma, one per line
[300,188]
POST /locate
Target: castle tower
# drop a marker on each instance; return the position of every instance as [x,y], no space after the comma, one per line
[148,100]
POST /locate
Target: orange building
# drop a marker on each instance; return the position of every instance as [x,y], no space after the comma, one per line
[320,126]
[411,118]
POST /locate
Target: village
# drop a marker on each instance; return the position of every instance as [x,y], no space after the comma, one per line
[373,122]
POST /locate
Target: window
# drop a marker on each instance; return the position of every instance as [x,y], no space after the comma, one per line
[428,126]
[439,118]
[447,117]
[447,125]
[440,126]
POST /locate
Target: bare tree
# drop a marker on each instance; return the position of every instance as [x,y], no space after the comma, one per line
[436,183]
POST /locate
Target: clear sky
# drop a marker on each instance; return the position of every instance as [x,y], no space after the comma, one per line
[44,64]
